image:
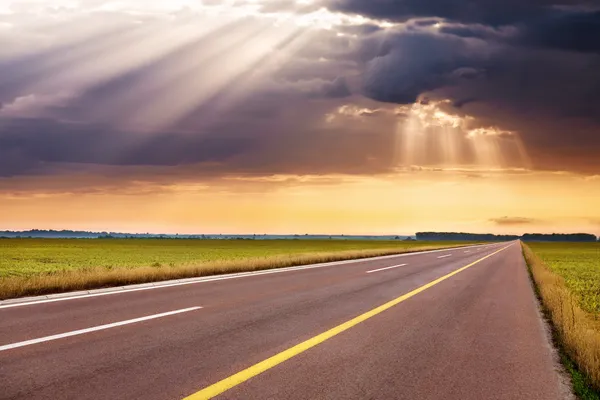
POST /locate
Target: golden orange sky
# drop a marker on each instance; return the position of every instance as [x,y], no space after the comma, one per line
[498,202]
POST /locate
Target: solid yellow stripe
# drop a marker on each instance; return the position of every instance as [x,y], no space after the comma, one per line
[236,379]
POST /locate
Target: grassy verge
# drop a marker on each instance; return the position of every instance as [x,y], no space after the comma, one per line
[35,267]
[576,332]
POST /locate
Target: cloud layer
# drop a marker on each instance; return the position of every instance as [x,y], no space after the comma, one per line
[279,87]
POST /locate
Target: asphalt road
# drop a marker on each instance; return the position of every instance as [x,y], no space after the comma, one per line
[444,332]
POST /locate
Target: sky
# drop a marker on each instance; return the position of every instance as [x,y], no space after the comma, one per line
[300,116]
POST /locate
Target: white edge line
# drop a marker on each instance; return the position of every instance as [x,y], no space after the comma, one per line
[93,329]
[190,281]
[444,256]
[382,269]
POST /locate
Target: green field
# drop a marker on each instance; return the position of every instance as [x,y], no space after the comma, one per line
[579,265]
[40,266]
[567,278]
[28,257]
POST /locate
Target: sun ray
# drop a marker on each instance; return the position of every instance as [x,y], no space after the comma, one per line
[249,81]
[215,73]
[155,78]
[426,135]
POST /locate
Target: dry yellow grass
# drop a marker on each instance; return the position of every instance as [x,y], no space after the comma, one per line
[577,330]
[91,278]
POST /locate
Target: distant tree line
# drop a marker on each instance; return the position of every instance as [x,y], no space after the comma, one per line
[488,237]
[70,234]
[559,237]
[457,236]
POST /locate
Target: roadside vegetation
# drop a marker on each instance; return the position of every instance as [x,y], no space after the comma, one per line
[567,277]
[42,266]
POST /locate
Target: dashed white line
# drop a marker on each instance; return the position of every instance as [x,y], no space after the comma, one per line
[467,251]
[93,329]
[383,269]
[444,256]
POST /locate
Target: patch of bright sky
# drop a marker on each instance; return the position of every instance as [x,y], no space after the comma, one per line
[319,18]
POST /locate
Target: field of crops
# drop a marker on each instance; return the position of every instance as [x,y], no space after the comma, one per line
[28,257]
[567,278]
[579,265]
[39,266]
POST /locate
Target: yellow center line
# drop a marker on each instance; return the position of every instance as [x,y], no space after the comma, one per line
[242,376]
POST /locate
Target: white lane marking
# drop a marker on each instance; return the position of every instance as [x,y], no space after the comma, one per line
[467,251]
[444,256]
[383,269]
[93,329]
[191,281]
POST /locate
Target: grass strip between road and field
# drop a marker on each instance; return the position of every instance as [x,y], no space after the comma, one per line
[256,369]
[575,331]
[100,277]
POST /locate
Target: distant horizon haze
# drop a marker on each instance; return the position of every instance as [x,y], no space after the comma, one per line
[427,235]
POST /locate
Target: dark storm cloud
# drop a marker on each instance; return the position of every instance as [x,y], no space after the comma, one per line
[363,29]
[46,141]
[291,140]
[271,129]
[412,63]
[551,97]
[337,88]
[539,77]
[477,31]
[490,12]
[403,65]
[40,142]
[524,66]
[566,30]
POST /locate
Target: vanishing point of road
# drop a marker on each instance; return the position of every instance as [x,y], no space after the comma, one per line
[448,324]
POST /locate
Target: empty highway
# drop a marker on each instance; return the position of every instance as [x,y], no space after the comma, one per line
[451,324]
